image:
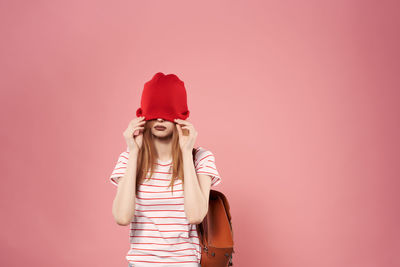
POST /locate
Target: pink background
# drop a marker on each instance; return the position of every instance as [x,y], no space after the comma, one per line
[298,100]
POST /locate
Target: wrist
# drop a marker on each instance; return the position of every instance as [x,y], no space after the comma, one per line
[133,152]
[186,152]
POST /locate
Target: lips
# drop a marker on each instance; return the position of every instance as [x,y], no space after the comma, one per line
[160,128]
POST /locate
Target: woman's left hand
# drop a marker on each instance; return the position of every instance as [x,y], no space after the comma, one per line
[186,141]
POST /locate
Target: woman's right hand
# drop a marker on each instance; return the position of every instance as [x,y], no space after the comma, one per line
[134,142]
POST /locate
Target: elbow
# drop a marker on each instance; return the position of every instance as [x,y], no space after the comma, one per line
[198,217]
[195,220]
[122,221]
[121,217]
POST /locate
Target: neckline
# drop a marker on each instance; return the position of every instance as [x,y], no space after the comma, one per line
[170,161]
[164,162]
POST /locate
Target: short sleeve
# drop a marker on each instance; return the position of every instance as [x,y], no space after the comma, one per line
[205,164]
[120,168]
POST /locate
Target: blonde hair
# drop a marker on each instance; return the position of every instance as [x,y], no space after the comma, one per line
[147,157]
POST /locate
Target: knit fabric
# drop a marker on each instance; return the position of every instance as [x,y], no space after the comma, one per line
[164,96]
[160,234]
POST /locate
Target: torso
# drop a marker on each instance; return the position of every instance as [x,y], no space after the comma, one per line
[160,232]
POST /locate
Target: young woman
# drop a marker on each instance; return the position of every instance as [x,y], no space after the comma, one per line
[162,189]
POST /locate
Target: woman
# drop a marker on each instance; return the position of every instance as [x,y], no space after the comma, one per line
[163,187]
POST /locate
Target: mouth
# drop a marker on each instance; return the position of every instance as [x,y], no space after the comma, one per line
[160,128]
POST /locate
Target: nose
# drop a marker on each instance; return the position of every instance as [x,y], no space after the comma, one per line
[160,119]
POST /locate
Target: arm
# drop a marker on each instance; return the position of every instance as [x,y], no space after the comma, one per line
[196,190]
[123,207]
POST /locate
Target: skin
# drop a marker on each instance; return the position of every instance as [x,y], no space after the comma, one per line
[196,186]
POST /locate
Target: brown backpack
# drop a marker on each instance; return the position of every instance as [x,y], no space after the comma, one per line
[216,233]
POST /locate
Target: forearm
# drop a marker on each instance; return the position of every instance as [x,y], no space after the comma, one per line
[123,208]
[195,202]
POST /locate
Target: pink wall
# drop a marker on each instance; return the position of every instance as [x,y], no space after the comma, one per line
[299,101]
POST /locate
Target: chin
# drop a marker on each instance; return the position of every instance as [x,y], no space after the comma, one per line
[163,134]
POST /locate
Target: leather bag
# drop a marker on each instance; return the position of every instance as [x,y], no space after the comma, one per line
[216,233]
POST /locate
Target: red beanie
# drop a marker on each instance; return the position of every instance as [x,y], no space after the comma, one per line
[164,96]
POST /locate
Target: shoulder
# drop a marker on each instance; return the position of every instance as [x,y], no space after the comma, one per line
[203,154]
[205,164]
[120,167]
[124,156]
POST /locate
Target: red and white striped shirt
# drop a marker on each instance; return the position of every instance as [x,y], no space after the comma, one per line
[160,233]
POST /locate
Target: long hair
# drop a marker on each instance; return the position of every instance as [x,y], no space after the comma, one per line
[147,157]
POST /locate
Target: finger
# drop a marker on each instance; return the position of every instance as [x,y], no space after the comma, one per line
[137,129]
[138,119]
[141,122]
[178,127]
[188,125]
[184,122]
[190,128]
[135,123]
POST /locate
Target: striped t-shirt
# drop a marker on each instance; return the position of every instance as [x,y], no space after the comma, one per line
[160,234]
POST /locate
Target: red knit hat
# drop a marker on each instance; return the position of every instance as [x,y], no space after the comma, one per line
[164,96]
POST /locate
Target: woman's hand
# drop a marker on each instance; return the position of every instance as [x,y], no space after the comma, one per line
[134,142]
[187,141]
